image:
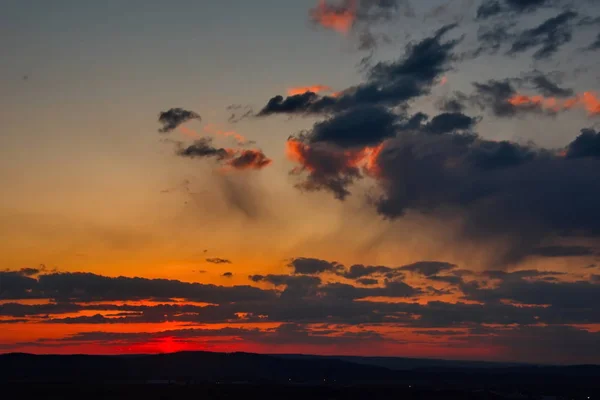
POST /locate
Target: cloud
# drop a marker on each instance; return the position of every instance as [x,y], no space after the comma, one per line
[227,274]
[15,285]
[87,287]
[548,88]
[428,268]
[359,271]
[27,272]
[491,8]
[512,302]
[587,144]
[339,18]
[359,127]
[549,36]
[174,117]
[327,167]
[595,44]
[450,122]
[305,89]
[232,158]
[203,148]
[217,260]
[502,98]
[309,266]
[388,83]
[570,297]
[480,180]
[418,171]
[367,281]
[456,103]
[249,159]
[359,16]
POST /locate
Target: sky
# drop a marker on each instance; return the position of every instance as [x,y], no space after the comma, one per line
[350,177]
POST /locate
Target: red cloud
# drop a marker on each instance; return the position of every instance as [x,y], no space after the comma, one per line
[339,18]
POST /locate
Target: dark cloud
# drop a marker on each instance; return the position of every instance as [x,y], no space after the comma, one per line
[29,271]
[309,266]
[249,159]
[86,287]
[496,95]
[491,8]
[450,122]
[546,87]
[217,260]
[502,97]
[499,188]
[456,103]
[367,281]
[359,271]
[174,117]
[549,36]
[310,288]
[495,298]
[489,155]
[337,152]
[388,83]
[428,268]
[568,297]
[15,309]
[492,37]
[203,148]
[15,285]
[327,167]
[228,274]
[396,289]
[595,44]
[359,127]
[587,144]
[563,251]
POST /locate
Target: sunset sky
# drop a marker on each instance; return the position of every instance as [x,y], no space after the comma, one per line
[357,177]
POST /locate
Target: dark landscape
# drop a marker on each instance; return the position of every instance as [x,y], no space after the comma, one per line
[225,375]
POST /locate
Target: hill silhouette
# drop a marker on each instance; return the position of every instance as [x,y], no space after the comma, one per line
[194,367]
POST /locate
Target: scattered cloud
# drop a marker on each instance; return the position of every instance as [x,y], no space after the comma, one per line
[174,117]
[548,37]
[232,159]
